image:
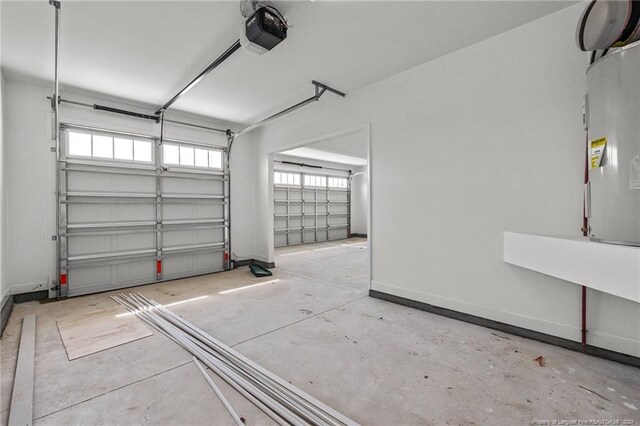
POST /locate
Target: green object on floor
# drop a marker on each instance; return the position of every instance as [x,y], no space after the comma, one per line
[259,271]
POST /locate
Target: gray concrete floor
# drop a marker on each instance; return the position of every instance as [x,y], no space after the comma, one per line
[377,362]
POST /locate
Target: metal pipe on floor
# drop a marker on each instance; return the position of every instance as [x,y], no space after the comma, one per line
[286,416]
[232,354]
[306,411]
[272,408]
[284,402]
[218,393]
[268,406]
[204,338]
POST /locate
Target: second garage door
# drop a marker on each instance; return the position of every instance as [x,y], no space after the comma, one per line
[311,207]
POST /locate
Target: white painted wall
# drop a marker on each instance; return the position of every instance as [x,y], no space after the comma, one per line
[29,261]
[243,208]
[29,174]
[4,285]
[359,201]
[483,140]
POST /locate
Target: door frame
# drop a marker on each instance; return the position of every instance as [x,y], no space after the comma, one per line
[365,129]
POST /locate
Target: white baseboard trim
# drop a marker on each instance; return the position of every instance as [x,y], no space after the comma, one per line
[6,306]
[597,338]
[613,342]
[28,288]
[5,296]
[242,257]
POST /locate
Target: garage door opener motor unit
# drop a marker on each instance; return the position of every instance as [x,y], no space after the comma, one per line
[263,30]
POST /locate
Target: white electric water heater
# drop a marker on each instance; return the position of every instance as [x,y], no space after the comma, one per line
[613,120]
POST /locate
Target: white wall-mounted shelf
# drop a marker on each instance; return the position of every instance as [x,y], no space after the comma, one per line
[610,268]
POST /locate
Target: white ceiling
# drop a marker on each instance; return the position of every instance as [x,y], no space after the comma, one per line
[316,154]
[146,51]
[350,148]
[353,145]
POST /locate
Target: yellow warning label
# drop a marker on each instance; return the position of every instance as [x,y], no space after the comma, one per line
[597,151]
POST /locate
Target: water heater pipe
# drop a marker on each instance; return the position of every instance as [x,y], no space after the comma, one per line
[585,233]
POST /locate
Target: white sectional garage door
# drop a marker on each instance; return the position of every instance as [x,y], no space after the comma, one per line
[310,207]
[133,211]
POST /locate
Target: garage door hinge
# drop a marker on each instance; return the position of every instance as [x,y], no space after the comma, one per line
[53,149]
[54,238]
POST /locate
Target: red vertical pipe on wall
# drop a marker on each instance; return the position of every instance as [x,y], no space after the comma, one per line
[585,232]
[584,316]
[585,220]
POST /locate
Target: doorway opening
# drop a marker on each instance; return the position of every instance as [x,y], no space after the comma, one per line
[321,209]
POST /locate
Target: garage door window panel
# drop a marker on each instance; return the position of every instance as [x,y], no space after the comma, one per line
[79,144]
[122,149]
[193,158]
[103,147]
[143,151]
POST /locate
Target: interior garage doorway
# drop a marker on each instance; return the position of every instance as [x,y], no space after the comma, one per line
[320,193]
